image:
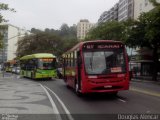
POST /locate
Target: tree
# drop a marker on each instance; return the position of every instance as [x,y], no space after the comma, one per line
[39,43]
[3,7]
[111,30]
[145,33]
[64,30]
[49,40]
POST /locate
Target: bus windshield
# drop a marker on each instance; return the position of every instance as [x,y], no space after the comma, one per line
[46,64]
[104,62]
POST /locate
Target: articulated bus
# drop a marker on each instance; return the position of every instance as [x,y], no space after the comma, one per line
[37,66]
[97,66]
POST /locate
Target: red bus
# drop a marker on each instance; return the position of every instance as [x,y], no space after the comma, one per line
[97,66]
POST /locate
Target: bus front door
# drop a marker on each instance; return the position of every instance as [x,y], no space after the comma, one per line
[79,65]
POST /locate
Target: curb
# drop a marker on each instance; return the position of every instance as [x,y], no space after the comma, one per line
[145,81]
[144,91]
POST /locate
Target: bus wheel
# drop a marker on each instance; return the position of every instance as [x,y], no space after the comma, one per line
[77,89]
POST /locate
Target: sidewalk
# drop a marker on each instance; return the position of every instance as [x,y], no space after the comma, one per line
[22,96]
[145,86]
[146,78]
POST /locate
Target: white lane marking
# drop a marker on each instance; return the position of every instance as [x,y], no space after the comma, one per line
[121,100]
[60,101]
[52,103]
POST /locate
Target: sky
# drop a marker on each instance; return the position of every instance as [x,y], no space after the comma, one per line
[52,14]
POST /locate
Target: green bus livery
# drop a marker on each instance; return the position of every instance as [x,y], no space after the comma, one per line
[37,66]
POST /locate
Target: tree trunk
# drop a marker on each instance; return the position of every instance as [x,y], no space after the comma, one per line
[155,63]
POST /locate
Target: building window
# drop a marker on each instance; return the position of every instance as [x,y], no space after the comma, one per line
[146,2]
[140,7]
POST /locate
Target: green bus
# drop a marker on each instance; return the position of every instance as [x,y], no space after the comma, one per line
[37,66]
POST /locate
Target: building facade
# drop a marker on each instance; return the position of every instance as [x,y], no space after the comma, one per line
[11,34]
[83,27]
[109,15]
[141,6]
[125,10]
[142,59]
[121,11]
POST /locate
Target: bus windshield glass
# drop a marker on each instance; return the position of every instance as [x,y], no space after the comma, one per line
[104,62]
[46,64]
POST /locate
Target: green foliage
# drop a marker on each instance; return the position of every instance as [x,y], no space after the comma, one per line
[38,43]
[48,41]
[154,3]
[145,33]
[3,7]
[64,30]
[112,30]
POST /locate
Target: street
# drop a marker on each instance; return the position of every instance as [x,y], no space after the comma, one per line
[21,96]
[80,60]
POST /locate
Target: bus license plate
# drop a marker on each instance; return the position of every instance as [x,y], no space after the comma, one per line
[108,86]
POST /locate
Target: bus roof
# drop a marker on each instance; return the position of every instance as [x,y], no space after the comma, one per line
[38,55]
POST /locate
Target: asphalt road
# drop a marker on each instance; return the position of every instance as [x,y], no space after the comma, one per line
[46,99]
[126,101]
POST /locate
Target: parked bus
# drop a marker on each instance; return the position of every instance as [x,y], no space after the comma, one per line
[9,65]
[37,66]
[97,66]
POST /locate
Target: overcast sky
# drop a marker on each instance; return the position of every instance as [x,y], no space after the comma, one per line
[43,14]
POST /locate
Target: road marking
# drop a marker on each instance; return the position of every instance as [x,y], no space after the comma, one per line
[60,101]
[145,92]
[121,100]
[52,103]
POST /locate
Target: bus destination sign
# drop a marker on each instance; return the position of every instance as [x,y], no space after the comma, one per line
[104,46]
[47,59]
